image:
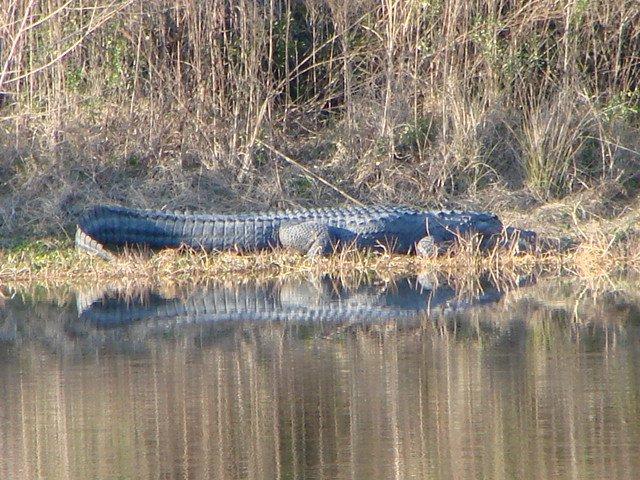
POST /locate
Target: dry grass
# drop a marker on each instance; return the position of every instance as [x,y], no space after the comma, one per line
[57,260]
[172,103]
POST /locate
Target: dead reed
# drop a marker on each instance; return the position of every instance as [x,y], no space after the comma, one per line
[187,104]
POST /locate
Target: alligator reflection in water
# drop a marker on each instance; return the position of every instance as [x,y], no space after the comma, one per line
[325,300]
[125,320]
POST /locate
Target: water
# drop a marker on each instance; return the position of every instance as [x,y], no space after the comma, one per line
[322,380]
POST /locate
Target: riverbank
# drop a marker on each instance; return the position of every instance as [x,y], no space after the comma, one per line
[56,261]
[603,226]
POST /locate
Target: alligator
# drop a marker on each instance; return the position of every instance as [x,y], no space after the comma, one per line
[317,231]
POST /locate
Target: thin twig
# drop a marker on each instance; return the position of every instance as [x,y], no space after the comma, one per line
[310,173]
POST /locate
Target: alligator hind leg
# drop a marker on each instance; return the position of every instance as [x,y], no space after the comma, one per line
[309,238]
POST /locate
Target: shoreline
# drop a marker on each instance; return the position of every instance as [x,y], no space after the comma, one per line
[55,261]
[605,246]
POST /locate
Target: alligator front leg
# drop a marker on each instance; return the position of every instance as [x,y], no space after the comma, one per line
[519,240]
[309,238]
[431,246]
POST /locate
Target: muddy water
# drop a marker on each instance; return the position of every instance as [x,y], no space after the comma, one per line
[322,380]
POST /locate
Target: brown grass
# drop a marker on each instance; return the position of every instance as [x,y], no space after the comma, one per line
[166,103]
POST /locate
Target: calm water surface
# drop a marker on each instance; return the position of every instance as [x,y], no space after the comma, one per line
[321,380]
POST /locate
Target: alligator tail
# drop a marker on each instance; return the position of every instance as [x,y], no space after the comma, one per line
[117,226]
[86,243]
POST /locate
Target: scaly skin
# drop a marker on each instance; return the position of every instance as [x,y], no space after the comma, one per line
[309,231]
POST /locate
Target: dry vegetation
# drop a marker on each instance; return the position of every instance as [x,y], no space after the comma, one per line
[55,261]
[507,105]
